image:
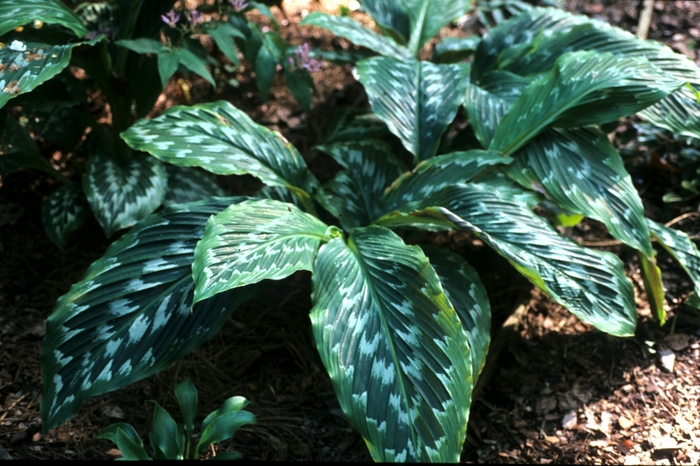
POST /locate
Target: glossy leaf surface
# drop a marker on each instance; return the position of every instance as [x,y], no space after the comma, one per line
[223,140]
[355,192]
[467,294]
[591,284]
[15,13]
[427,17]
[582,172]
[393,346]
[356,33]
[223,423]
[391,17]
[681,247]
[417,100]
[121,195]
[132,314]
[583,88]
[253,241]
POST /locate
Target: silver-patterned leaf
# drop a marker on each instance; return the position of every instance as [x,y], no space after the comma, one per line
[467,294]
[64,211]
[485,111]
[417,100]
[434,174]
[122,194]
[188,184]
[582,172]
[26,65]
[427,17]
[393,346]
[355,193]
[356,33]
[223,140]
[253,241]
[681,247]
[678,113]
[591,284]
[15,13]
[583,88]
[132,314]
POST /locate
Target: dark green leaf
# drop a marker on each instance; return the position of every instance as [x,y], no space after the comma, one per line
[356,33]
[121,195]
[63,212]
[300,83]
[678,113]
[582,172]
[391,18]
[253,241]
[427,17]
[468,296]
[186,395]
[15,13]
[127,440]
[142,45]
[417,100]
[168,62]
[436,173]
[132,314]
[189,184]
[355,192]
[166,436]
[195,64]
[223,34]
[584,88]
[591,284]
[393,346]
[454,49]
[224,423]
[354,125]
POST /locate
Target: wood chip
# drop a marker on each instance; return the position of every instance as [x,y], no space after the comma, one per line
[570,420]
[668,359]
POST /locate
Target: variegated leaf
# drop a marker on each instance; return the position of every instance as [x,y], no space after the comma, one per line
[356,33]
[132,314]
[486,105]
[511,37]
[427,17]
[15,13]
[590,284]
[187,184]
[468,296]
[391,17]
[583,88]
[682,248]
[24,66]
[122,194]
[678,113]
[353,125]
[223,140]
[63,212]
[436,173]
[355,192]
[253,241]
[393,346]
[582,172]
[417,100]
[455,49]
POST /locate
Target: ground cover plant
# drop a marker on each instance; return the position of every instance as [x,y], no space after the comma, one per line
[128,50]
[433,331]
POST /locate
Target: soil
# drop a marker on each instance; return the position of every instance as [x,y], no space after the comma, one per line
[554,390]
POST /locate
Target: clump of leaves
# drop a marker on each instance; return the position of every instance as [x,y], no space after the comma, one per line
[171,440]
[402,329]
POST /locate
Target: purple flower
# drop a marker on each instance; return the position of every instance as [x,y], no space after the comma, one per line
[171,18]
[195,17]
[239,5]
[303,60]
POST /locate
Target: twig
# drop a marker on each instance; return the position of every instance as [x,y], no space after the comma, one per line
[645,19]
[682,217]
